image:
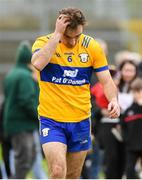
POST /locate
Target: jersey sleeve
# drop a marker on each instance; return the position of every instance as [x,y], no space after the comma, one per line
[99,59]
[39,43]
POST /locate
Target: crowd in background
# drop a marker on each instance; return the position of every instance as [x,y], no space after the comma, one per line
[116,143]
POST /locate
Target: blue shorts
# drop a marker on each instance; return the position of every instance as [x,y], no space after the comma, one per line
[76,136]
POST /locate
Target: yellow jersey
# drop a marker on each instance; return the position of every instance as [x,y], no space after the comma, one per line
[65,81]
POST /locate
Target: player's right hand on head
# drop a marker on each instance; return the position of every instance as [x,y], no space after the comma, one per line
[61,23]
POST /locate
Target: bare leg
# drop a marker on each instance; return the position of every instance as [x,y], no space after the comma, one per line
[55,153]
[75,162]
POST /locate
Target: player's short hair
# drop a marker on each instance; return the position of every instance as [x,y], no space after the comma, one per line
[136,84]
[76,17]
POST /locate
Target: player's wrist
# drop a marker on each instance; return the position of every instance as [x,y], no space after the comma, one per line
[114,100]
[57,35]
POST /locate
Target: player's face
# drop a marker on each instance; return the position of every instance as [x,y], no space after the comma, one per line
[71,36]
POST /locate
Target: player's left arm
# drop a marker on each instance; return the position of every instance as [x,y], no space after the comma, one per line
[100,66]
[110,91]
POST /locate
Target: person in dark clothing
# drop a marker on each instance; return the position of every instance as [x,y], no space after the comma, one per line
[132,129]
[20,111]
[5,144]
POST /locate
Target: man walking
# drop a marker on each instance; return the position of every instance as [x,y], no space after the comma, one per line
[65,60]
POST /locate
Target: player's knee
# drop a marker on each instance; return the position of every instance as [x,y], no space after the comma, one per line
[58,171]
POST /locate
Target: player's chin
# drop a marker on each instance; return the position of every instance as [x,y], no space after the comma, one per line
[70,46]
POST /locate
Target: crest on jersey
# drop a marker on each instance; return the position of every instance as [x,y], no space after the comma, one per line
[83,57]
[45,131]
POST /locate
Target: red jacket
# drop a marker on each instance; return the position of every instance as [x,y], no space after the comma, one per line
[100,98]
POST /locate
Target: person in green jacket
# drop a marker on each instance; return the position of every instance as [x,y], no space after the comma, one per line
[20,110]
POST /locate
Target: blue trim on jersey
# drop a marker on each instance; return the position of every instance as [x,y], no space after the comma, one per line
[101,69]
[36,50]
[64,75]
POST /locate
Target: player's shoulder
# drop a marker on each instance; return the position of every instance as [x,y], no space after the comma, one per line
[40,42]
[87,41]
[44,38]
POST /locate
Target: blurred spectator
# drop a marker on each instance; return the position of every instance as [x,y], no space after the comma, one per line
[127,73]
[20,112]
[132,129]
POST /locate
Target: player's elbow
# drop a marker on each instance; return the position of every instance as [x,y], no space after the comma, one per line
[35,63]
